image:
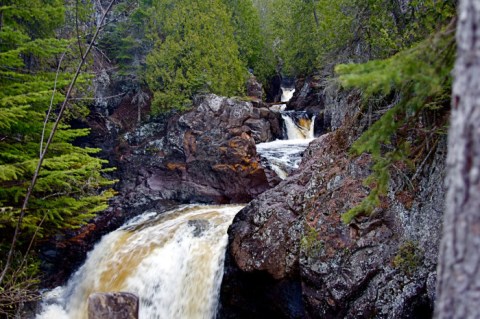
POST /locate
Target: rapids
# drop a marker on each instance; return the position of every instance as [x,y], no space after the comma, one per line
[284,156]
[173,262]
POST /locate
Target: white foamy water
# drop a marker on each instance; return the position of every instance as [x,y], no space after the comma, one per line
[287,94]
[298,128]
[284,156]
[173,262]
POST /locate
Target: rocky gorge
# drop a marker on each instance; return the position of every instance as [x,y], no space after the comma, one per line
[289,253]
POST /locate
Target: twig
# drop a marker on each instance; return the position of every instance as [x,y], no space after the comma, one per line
[103,54]
[51,102]
[404,176]
[424,160]
[97,98]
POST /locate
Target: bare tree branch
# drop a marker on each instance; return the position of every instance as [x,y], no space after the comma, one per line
[47,117]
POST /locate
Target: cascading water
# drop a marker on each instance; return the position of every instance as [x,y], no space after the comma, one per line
[287,94]
[298,125]
[173,262]
[284,156]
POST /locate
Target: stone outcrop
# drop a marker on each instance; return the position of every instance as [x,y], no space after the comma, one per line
[254,88]
[324,99]
[114,305]
[204,155]
[290,255]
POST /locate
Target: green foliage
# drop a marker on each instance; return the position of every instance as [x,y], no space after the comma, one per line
[301,33]
[194,52]
[251,43]
[310,242]
[67,191]
[125,41]
[421,77]
[28,19]
[70,188]
[408,258]
[307,35]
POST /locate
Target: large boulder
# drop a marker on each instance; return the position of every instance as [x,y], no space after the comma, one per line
[205,155]
[291,249]
[113,305]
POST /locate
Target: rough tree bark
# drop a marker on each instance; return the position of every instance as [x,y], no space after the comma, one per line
[458,286]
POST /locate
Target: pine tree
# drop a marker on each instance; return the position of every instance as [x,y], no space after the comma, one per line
[250,39]
[67,192]
[419,75]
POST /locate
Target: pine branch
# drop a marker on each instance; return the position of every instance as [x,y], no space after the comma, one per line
[49,141]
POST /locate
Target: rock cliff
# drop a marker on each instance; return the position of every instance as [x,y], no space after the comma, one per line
[290,255]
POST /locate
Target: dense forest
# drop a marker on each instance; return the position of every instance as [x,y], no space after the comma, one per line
[394,57]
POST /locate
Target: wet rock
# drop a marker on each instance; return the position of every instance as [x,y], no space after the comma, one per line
[332,106]
[204,155]
[199,226]
[259,129]
[114,305]
[273,89]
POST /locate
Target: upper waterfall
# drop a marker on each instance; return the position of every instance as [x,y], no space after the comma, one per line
[298,125]
[173,262]
[287,94]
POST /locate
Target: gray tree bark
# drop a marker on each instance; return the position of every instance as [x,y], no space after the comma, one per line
[458,285]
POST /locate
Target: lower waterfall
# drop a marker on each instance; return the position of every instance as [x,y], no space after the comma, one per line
[173,262]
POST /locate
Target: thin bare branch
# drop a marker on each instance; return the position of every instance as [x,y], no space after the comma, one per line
[47,116]
[97,98]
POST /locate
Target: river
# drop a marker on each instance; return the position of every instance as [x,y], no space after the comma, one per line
[173,261]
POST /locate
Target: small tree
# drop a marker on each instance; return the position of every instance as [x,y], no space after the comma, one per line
[46,183]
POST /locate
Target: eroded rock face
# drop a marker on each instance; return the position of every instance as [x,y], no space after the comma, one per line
[291,247]
[254,88]
[205,155]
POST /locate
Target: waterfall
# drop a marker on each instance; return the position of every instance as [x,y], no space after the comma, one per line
[284,156]
[298,125]
[287,94]
[173,262]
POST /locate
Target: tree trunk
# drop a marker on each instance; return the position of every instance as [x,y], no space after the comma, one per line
[458,286]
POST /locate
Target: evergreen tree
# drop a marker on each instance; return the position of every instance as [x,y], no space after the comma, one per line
[67,191]
[250,38]
[194,52]
[419,76]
